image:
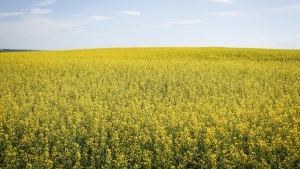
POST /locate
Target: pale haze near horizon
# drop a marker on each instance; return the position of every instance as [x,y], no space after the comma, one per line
[58,24]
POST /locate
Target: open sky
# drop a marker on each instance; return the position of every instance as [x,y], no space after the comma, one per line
[66,24]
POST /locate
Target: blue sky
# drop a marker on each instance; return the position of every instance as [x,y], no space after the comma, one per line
[66,24]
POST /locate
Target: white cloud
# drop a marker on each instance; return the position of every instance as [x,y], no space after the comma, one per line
[6,14]
[136,13]
[40,11]
[97,18]
[228,13]
[45,3]
[182,22]
[223,1]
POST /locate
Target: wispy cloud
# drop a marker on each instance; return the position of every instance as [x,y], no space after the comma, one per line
[6,14]
[170,24]
[292,7]
[33,26]
[135,13]
[97,18]
[39,11]
[46,3]
[76,31]
[223,1]
[34,22]
[182,22]
[288,39]
[228,13]
[285,42]
[79,15]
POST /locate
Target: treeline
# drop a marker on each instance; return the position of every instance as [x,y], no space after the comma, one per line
[15,50]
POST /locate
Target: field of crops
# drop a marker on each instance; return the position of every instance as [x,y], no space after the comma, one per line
[150,108]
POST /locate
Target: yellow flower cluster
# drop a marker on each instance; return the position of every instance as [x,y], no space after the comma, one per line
[150,108]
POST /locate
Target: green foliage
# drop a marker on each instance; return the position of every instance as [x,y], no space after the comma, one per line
[150,108]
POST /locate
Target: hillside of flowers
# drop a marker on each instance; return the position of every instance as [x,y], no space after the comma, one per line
[150,108]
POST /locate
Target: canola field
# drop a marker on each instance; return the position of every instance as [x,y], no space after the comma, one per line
[150,108]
